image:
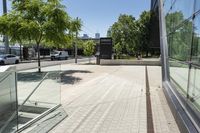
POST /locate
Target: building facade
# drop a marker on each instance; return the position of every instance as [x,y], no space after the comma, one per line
[97,35]
[179,33]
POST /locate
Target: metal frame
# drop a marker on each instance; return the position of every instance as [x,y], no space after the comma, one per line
[186,116]
[20,129]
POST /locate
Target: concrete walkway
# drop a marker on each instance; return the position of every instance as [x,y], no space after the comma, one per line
[112,99]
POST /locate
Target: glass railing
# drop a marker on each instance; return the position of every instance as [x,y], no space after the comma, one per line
[186,78]
[28,95]
[8,100]
[38,92]
[179,75]
[194,86]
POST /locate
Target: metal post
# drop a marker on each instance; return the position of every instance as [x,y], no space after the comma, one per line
[163,44]
[76,44]
[76,50]
[5,38]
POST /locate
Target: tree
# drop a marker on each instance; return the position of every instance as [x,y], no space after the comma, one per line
[180,36]
[124,33]
[75,27]
[118,50]
[133,35]
[89,47]
[16,31]
[5,38]
[10,25]
[41,21]
[144,24]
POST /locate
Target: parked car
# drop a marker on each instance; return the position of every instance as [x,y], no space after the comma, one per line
[59,55]
[8,59]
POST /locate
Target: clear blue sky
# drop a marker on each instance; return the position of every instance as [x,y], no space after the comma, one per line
[99,15]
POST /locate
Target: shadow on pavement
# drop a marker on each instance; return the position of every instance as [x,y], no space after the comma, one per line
[30,76]
[65,76]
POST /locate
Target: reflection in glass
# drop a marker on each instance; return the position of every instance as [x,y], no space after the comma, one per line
[169,23]
[186,7]
[194,86]
[169,40]
[179,75]
[197,5]
[167,5]
[196,41]
[181,42]
[183,37]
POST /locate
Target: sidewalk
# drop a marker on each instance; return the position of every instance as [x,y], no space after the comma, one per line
[112,99]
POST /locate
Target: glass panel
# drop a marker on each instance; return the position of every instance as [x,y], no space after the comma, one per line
[179,75]
[169,22]
[167,5]
[177,14]
[43,89]
[196,41]
[197,5]
[169,40]
[185,7]
[181,42]
[8,101]
[194,86]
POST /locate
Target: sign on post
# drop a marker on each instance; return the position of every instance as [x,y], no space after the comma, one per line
[106,48]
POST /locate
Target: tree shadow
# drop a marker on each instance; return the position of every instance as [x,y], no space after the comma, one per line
[30,76]
[64,77]
[67,78]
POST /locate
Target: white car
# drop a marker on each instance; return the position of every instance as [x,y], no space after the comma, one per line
[8,59]
[58,55]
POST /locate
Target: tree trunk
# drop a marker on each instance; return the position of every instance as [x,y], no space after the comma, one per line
[147,52]
[5,37]
[38,49]
[20,51]
[89,60]
[75,52]
[76,49]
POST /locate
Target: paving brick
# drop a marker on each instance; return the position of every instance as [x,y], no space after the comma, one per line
[112,99]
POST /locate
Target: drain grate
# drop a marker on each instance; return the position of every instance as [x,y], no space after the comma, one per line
[150,126]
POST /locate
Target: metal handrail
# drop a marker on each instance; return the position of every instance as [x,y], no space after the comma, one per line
[13,115]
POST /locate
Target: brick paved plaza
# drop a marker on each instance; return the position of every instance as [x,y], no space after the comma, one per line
[112,99]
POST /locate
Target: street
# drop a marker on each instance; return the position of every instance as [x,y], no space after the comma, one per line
[44,63]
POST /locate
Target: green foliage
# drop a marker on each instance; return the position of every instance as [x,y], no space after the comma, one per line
[118,50]
[89,47]
[173,19]
[75,25]
[80,44]
[132,35]
[180,37]
[123,32]
[3,24]
[144,24]
[39,21]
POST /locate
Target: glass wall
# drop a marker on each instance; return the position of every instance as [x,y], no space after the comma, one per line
[182,19]
[8,100]
[38,92]
[27,95]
